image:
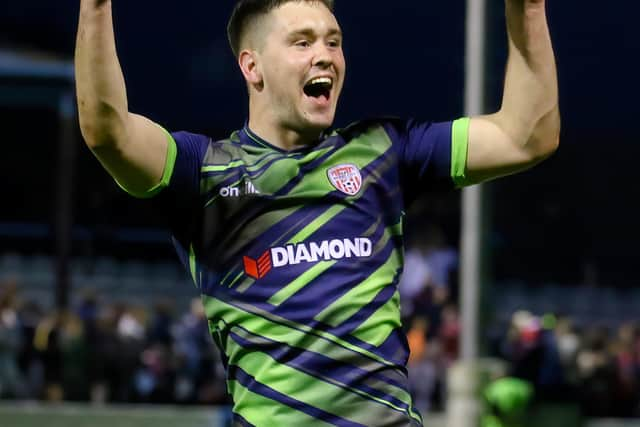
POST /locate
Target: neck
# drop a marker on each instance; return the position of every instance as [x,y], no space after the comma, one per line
[267,127]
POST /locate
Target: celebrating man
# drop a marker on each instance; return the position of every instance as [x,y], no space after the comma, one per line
[292,233]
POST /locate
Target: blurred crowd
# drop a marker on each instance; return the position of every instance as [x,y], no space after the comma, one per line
[121,352]
[592,366]
[103,353]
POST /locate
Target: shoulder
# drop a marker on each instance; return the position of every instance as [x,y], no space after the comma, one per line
[205,147]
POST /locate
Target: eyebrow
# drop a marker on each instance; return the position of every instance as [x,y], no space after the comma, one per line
[310,32]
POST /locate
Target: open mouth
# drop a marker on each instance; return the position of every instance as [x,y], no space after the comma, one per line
[319,88]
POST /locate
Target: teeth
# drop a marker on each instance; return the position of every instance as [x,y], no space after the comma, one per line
[321,80]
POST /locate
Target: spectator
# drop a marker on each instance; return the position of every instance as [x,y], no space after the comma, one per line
[415,278]
[596,374]
[11,382]
[422,365]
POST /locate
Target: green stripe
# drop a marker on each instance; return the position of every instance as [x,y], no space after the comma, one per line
[281,172]
[383,387]
[459,149]
[257,141]
[245,284]
[300,282]
[193,267]
[209,182]
[169,163]
[317,223]
[377,328]
[361,295]
[238,276]
[224,279]
[220,168]
[329,397]
[299,336]
[261,322]
[262,411]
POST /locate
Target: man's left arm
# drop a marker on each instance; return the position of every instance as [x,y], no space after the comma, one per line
[526,129]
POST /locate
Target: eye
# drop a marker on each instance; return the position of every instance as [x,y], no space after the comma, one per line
[302,43]
[334,43]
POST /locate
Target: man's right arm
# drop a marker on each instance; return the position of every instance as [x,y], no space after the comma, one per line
[131,147]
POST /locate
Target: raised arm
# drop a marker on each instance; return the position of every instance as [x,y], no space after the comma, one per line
[526,129]
[132,148]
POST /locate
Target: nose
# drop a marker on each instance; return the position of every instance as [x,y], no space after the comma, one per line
[322,56]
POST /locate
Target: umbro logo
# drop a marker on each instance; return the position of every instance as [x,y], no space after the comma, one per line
[236,191]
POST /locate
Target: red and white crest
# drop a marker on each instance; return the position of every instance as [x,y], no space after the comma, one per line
[346,178]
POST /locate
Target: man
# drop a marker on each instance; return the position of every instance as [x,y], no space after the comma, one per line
[293,235]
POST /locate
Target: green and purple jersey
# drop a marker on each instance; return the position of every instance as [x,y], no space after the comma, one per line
[297,255]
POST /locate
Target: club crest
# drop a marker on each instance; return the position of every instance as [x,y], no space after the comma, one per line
[346,178]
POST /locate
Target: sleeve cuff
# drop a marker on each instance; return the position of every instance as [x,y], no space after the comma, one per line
[169,164]
[459,148]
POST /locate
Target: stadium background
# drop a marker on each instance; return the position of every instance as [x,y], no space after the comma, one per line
[562,237]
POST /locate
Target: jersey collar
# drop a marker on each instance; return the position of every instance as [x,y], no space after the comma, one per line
[247,136]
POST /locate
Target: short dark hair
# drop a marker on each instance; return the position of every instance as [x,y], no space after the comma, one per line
[245,11]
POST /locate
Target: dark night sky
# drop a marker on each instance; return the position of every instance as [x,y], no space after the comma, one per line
[406,58]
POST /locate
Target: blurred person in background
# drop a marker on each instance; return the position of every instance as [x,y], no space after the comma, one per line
[155,375]
[30,315]
[131,333]
[449,334]
[11,380]
[423,366]
[59,339]
[597,373]
[627,390]
[234,204]
[442,262]
[531,349]
[192,345]
[74,357]
[159,329]
[416,276]
[568,342]
[105,374]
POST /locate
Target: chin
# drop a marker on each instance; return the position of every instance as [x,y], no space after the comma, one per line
[320,123]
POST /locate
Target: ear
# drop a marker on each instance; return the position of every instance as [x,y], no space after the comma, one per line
[249,64]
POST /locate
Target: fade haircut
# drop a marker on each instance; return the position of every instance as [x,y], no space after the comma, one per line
[246,12]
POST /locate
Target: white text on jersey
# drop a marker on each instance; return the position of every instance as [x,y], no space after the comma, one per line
[235,191]
[326,250]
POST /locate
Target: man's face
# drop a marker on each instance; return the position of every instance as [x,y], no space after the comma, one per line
[302,66]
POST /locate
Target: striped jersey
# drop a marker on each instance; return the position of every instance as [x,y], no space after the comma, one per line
[297,256]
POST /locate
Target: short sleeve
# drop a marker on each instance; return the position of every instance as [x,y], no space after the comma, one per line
[432,155]
[190,151]
[180,198]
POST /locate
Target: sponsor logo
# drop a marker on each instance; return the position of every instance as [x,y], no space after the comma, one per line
[258,268]
[346,178]
[236,191]
[327,250]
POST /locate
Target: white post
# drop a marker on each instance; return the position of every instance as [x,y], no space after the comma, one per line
[471,235]
[466,378]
